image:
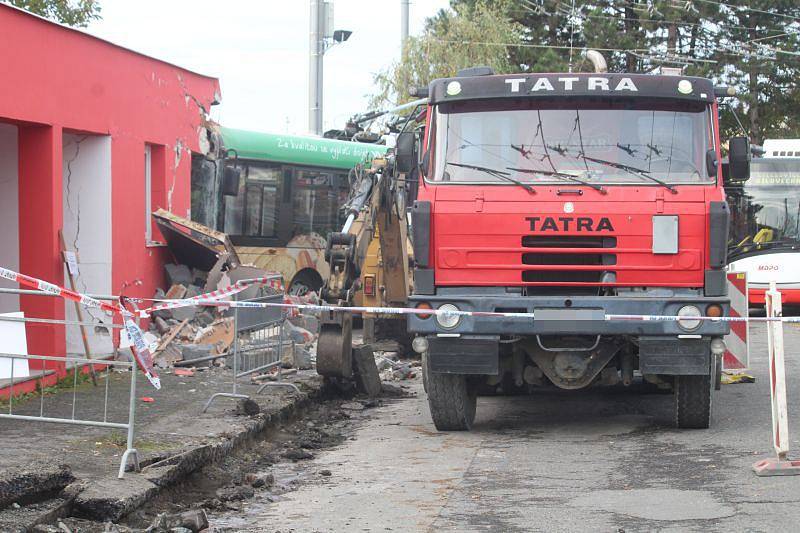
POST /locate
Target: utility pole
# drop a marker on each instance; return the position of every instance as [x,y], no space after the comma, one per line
[315,52]
[403,24]
[320,37]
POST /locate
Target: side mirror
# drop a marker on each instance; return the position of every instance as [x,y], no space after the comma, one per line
[739,158]
[230,181]
[711,162]
[405,152]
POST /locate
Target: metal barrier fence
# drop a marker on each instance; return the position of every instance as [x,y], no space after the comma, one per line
[73,368]
[259,341]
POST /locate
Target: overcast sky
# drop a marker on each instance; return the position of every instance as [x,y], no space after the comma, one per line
[259,51]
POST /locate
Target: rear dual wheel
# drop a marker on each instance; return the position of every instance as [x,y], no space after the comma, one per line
[452,399]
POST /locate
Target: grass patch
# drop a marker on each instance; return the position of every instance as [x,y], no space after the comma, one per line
[117,439]
[66,383]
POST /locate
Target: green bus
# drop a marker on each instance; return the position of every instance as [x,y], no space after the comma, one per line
[288,197]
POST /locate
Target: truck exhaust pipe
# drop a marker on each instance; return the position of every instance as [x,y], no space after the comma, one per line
[597,60]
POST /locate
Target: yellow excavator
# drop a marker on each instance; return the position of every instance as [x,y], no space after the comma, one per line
[368,262]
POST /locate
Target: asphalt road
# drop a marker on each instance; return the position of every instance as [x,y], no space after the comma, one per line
[600,460]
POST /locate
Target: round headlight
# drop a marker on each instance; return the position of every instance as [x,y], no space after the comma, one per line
[686,313]
[446,320]
[419,344]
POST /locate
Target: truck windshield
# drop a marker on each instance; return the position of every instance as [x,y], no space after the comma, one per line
[604,141]
[765,211]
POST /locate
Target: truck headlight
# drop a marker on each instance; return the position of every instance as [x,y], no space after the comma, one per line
[445,320]
[686,313]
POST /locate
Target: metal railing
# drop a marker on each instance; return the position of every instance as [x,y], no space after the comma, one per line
[259,341]
[76,366]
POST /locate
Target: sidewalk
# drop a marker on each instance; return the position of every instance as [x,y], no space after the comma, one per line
[173,436]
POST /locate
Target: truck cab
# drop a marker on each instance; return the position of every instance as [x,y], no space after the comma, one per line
[583,213]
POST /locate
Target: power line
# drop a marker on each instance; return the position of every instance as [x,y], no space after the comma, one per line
[530,45]
[751,9]
[707,27]
[565,12]
[650,51]
[703,27]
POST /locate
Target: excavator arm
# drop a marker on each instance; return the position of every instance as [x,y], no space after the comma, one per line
[375,212]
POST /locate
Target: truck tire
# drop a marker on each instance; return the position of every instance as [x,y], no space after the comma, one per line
[451,398]
[693,401]
[425,372]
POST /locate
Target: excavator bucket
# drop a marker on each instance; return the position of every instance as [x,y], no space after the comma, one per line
[334,348]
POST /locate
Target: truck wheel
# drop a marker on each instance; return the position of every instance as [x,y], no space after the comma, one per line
[693,401]
[452,400]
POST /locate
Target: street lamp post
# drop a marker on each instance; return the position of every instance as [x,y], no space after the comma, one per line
[321,37]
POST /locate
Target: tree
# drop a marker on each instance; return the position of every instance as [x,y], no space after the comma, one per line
[752,46]
[77,13]
[450,41]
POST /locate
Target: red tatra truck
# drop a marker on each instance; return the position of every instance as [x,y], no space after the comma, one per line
[571,197]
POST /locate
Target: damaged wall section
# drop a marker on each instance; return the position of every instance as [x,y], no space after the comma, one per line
[87,230]
[9,212]
[70,84]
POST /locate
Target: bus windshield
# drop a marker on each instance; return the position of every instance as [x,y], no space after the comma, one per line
[602,141]
[765,210]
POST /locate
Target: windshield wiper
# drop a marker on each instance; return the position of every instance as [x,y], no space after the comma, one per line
[496,173]
[754,247]
[776,244]
[631,170]
[561,175]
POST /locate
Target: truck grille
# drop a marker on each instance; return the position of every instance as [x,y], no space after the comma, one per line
[567,251]
[562,276]
[568,241]
[538,258]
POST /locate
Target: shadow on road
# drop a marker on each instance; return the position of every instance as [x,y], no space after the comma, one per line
[641,404]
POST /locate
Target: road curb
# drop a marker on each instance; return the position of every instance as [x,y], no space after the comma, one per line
[111,499]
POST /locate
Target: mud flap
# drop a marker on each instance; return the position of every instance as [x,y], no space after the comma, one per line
[673,356]
[464,355]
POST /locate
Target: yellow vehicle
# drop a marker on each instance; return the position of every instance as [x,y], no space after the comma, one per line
[369,264]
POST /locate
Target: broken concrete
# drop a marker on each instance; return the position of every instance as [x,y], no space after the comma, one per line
[17,485]
[110,498]
[177,275]
[193,521]
[174,438]
[366,373]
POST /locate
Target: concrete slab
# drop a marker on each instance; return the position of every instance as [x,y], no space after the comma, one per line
[171,431]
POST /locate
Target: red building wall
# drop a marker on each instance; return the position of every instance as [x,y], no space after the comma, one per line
[58,80]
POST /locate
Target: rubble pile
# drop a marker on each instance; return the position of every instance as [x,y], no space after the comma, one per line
[187,335]
[204,336]
[390,362]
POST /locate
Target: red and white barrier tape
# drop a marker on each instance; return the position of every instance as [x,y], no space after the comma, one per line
[274,282]
[141,352]
[438,312]
[214,299]
[35,283]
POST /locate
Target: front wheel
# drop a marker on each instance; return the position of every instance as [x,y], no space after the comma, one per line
[451,398]
[693,401]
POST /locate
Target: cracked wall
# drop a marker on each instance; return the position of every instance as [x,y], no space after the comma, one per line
[9,211]
[87,230]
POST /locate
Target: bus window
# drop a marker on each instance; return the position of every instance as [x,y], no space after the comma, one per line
[316,199]
[254,211]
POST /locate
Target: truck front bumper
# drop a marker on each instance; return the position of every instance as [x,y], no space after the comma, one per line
[578,315]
